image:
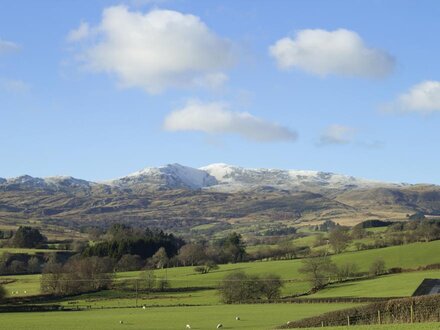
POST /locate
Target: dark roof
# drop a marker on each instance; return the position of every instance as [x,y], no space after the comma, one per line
[427,287]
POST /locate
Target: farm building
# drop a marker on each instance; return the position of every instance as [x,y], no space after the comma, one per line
[429,286]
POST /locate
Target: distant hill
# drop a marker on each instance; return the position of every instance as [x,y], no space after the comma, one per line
[177,197]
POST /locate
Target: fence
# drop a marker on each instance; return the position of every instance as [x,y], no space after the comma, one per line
[406,310]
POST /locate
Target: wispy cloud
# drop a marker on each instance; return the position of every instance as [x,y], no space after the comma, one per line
[337,134]
[80,33]
[339,52]
[14,85]
[8,46]
[422,98]
[216,118]
[156,50]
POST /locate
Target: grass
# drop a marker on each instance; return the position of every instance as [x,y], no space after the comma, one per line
[26,251]
[415,326]
[405,256]
[396,285]
[263,316]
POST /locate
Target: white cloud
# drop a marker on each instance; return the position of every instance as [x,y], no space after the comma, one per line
[12,85]
[337,134]
[157,50]
[8,46]
[339,52]
[216,118]
[80,33]
[421,98]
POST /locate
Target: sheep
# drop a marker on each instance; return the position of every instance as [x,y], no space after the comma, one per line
[188,326]
[219,326]
[143,307]
[25,291]
[121,322]
[237,318]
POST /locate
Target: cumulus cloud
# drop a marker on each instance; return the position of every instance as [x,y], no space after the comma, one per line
[156,50]
[216,118]
[337,134]
[421,98]
[8,46]
[339,52]
[80,33]
[13,85]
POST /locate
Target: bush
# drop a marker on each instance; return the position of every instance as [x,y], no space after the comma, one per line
[378,267]
[27,237]
[2,292]
[206,268]
[239,287]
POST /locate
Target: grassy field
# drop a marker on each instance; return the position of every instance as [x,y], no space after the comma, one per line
[263,316]
[415,326]
[396,285]
[406,256]
[26,251]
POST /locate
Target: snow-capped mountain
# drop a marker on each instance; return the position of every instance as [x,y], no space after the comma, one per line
[170,176]
[55,183]
[223,177]
[238,178]
[215,177]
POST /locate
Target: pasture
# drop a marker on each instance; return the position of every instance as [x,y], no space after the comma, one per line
[255,317]
[405,256]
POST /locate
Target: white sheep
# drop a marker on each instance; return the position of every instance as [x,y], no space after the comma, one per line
[143,307]
[121,322]
[237,318]
[219,326]
[188,326]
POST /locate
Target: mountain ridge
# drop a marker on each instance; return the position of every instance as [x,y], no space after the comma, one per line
[215,177]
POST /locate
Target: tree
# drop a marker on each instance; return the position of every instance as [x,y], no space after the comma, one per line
[192,254]
[346,271]
[33,265]
[317,270]
[378,267]
[239,287]
[206,268]
[270,286]
[77,276]
[163,284]
[358,232]
[2,292]
[338,239]
[27,237]
[150,279]
[129,262]
[160,258]
[234,247]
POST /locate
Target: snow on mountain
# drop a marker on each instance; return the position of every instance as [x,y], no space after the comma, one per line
[237,178]
[56,183]
[168,176]
[217,177]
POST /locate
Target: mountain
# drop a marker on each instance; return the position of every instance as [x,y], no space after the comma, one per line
[232,178]
[218,196]
[228,178]
[173,176]
[55,183]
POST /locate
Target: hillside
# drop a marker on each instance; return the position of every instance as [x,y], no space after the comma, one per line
[179,198]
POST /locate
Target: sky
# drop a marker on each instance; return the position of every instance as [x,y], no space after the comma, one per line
[100,89]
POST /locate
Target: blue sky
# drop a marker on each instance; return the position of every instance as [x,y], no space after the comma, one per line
[99,89]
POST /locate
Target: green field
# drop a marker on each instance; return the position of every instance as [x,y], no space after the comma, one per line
[261,316]
[415,326]
[396,285]
[406,256]
[26,251]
